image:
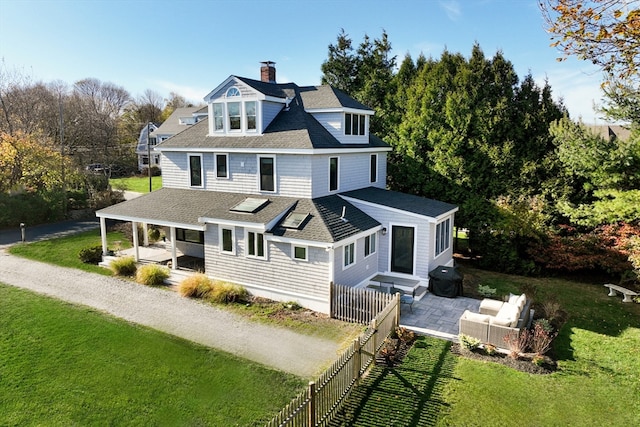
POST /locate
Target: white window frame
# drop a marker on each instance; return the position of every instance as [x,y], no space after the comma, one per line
[275,174]
[256,245]
[246,117]
[239,116]
[213,109]
[370,244]
[443,236]
[362,118]
[373,168]
[215,159]
[221,229]
[293,252]
[337,174]
[189,156]
[352,255]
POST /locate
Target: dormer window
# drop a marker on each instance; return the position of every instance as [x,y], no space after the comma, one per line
[233,115]
[354,124]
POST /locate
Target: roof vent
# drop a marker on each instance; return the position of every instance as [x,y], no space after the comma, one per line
[344,211]
[268,72]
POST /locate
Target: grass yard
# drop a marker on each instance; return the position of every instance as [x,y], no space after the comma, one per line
[137,184]
[65,365]
[64,250]
[597,382]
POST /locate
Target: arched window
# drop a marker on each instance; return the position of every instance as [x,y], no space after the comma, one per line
[233,91]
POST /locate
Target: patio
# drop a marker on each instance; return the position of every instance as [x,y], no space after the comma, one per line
[437,316]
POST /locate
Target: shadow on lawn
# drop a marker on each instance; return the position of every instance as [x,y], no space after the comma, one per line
[410,394]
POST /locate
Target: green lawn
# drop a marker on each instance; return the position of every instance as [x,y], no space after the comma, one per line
[597,383]
[65,365]
[64,251]
[137,184]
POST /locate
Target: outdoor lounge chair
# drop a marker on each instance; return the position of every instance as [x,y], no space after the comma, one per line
[406,299]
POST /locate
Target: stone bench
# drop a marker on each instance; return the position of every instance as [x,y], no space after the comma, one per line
[614,289]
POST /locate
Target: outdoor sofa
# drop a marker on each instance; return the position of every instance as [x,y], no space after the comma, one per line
[497,319]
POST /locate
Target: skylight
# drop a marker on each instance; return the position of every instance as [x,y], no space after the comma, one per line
[294,220]
[249,205]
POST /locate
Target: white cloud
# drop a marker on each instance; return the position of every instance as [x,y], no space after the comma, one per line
[578,89]
[190,93]
[451,8]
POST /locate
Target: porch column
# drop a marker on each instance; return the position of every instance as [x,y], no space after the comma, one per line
[145,227]
[135,240]
[103,235]
[174,256]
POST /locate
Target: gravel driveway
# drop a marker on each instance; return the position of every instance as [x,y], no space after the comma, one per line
[167,311]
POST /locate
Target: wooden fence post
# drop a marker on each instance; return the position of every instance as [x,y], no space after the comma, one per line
[374,328]
[397,301]
[311,419]
[357,360]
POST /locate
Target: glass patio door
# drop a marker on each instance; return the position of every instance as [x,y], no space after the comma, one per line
[402,244]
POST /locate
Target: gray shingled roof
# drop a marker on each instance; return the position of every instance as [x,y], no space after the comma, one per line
[292,129]
[172,125]
[406,202]
[325,223]
[326,96]
[184,206]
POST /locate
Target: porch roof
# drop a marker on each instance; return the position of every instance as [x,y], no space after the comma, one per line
[183,208]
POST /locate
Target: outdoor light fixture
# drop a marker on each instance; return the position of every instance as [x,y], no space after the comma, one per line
[384,231]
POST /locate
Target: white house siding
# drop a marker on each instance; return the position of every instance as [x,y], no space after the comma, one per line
[278,275]
[363,268]
[175,169]
[353,172]
[294,175]
[423,236]
[333,123]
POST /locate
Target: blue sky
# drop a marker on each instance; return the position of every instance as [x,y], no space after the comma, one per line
[191,46]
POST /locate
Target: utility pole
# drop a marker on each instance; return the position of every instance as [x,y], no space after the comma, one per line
[149,156]
[64,183]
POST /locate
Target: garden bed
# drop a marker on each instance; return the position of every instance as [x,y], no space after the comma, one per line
[523,363]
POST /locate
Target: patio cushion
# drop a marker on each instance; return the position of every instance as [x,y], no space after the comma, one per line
[509,311]
[476,317]
[513,298]
[501,321]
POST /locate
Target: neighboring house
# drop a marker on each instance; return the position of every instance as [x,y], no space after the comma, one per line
[141,148]
[283,189]
[175,123]
[610,132]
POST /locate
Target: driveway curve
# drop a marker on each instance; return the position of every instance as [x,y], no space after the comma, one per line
[159,309]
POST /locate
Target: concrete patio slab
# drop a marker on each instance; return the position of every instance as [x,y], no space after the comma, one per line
[437,316]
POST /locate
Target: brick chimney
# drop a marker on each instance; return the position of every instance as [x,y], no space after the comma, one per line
[268,72]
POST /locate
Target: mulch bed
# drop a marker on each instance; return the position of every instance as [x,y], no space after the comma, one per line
[522,364]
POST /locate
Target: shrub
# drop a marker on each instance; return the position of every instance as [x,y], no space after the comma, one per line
[544,324]
[517,342]
[91,255]
[468,343]
[541,339]
[152,275]
[551,309]
[486,291]
[389,351]
[154,234]
[125,266]
[490,349]
[155,171]
[405,335]
[196,286]
[126,229]
[225,293]
[537,360]
[530,290]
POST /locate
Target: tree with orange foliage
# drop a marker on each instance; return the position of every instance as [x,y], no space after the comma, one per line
[605,32]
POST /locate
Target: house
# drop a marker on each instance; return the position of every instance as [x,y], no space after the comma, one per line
[282,189]
[175,123]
